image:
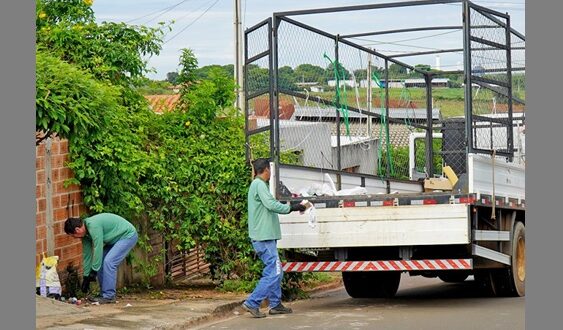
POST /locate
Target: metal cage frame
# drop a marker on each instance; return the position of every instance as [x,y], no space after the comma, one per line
[273,90]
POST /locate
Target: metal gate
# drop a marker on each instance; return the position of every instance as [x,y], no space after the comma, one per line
[258,85]
[488,40]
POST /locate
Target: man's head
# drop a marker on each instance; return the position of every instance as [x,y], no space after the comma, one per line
[262,168]
[75,227]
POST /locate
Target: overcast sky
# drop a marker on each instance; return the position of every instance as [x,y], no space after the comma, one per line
[206,26]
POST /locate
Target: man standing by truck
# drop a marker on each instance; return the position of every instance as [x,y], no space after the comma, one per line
[106,240]
[264,231]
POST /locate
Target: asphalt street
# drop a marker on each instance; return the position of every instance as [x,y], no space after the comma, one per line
[421,303]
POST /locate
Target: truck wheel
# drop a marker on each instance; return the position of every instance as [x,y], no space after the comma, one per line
[517,271]
[453,276]
[371,284]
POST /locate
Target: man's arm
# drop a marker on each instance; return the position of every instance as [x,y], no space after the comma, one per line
[97,234]
[86,255]
[270,202]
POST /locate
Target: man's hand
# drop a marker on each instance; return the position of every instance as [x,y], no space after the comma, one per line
[85,284]
[86,280]
[93,275]
[297,207]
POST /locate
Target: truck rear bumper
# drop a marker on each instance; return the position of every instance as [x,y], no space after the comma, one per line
[379,265]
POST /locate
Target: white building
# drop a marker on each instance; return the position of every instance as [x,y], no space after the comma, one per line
[316,146]
[342,83]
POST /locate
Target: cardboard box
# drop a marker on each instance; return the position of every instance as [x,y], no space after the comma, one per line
[437,184]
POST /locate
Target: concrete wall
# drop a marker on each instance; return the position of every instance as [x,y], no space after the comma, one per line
[362,155]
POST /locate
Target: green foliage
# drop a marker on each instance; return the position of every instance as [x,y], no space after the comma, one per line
[224,87]
[400,159]
[423,67]
[188,67]
[203,72]
[287,78]
[311,73]
[172,77]
[114,53]
[196,188]
[52,12]
[147,86]
[69,99]
[181,174]
[330,74]
[361,74]
[397,71]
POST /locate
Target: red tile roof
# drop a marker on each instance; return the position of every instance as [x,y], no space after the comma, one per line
[162,103]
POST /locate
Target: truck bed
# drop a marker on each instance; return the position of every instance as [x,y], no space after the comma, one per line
[398,213]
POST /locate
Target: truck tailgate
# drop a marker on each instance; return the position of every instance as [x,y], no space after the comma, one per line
[377,226]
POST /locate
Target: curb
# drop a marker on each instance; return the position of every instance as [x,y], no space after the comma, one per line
[326,287]
[218,313]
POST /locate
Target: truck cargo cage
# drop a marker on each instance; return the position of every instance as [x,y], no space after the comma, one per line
[322,101]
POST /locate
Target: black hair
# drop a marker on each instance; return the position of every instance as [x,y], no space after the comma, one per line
[260,165]
[71,224]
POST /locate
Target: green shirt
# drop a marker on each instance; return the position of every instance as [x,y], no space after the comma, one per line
[263,209]
[103,229]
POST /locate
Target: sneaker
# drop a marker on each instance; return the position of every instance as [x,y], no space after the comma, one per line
[255,312]
[102,300]
[280,309]
[93,298]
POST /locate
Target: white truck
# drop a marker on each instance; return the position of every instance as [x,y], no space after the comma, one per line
[373,225]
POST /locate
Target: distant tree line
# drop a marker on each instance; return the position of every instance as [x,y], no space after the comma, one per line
[289,77]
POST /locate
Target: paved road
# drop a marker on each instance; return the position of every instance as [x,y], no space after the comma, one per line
[420,303]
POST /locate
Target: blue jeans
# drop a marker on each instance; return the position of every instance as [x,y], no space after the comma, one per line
[113,256]
[269,285]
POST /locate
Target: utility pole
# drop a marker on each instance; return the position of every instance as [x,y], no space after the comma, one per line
[369,96]
[239,103]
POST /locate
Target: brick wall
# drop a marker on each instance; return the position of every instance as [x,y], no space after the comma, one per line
[51,173]
[52,200]
[49,222]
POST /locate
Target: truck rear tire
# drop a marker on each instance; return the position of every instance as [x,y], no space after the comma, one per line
[371,284]
[516,274]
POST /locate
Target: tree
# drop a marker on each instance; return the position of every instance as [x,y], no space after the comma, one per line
[309,73]
[361,74]
[286,78]
[423,67]
[107,54]
[330,73]
[257,78]
[203,72]
[230,69]
[172,77]
[188,69]
[111,51]
[397,71]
